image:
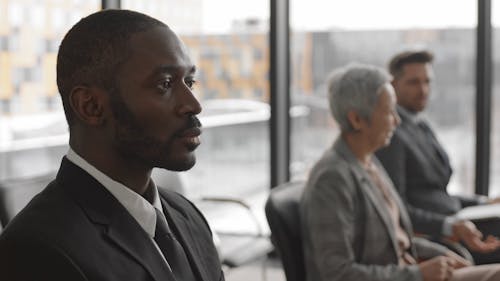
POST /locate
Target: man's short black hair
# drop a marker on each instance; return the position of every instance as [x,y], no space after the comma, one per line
[400,60]
[93,50]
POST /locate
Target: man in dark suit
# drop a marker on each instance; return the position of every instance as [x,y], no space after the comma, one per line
[419,166]
[126,85]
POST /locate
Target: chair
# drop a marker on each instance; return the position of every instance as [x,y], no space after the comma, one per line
[235,248]
[16,193]
[239,247]
[282,212]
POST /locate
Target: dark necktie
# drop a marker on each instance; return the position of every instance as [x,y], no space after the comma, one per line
[172,250]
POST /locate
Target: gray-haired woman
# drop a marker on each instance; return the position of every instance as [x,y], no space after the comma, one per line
[354,224]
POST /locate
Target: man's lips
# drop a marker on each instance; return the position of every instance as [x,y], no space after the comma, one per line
[190,137]
[422,99]
[190,133]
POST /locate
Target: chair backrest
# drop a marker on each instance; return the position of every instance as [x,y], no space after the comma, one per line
[16,193]
[282,212]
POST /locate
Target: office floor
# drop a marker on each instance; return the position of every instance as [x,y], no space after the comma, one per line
[256,271]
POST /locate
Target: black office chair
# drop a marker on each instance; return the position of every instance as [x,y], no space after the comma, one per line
[16,193]
[282,212]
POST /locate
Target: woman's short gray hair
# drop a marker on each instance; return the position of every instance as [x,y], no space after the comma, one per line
[355,87]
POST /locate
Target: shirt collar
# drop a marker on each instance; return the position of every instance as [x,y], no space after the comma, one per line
[413,117]
[138,207]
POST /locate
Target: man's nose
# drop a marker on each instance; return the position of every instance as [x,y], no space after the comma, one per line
[189,104]
[425,88]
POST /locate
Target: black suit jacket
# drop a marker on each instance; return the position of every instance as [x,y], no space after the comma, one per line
[76,230]
[420,170]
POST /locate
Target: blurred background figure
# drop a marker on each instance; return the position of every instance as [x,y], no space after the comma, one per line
[419,166]
[355,226]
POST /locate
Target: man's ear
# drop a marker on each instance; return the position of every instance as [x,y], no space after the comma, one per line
[394,84]
[355,120]
[88,104]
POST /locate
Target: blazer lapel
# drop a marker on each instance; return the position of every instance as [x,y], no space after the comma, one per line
[426,147]
[117,224]
[376,197]
[178,223]
[403,214]
[137,243]
[432,153]
[372,192]
[424,126]
[404,218]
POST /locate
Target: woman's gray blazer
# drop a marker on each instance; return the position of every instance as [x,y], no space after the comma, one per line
[347,231]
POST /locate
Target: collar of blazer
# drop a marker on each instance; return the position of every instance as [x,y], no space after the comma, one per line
[120,227]
[410,133]
[373,193]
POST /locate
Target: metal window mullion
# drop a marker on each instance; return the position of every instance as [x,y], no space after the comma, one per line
[110,4]
[483,96]
[279,95]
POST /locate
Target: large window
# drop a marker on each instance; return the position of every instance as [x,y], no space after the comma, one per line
[231,51]
[33,132]
[330,34]
[228,41]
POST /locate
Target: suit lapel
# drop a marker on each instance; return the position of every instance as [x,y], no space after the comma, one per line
[373,193]
[377,200]
[427,152]
[178,223]
[404,218]
[426,147]
[424,126]
[403,214]
[117,224]
[138,245]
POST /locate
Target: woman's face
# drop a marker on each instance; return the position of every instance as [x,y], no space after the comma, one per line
[383,120]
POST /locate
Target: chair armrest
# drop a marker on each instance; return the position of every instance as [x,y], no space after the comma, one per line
[239,248]
[244,205]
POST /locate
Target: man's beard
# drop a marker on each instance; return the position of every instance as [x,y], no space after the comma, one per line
[134,143]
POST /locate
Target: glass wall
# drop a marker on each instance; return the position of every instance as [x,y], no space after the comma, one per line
[231,52]
[330,34]
[495,107]
[33,131]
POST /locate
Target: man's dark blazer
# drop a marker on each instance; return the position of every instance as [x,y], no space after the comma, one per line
[76,230]
[420,170]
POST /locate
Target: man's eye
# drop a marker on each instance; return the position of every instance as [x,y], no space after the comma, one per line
[165,84]
[190,83]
